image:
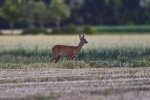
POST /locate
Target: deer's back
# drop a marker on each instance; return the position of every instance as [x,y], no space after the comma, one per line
[64,50]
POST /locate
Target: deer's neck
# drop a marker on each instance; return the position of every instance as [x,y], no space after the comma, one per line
[80,45]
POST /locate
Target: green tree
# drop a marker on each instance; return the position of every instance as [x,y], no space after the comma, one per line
[145,3]
[28,13]
[59,11]
[40,12]
[75,4]
[11,12]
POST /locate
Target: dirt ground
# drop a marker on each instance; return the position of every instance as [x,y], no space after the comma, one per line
[75,84]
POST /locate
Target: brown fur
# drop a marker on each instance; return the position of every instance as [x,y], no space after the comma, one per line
[59,51]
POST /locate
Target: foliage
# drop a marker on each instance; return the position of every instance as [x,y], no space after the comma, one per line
[69,29]
[118,29]
[112,12]
[41,13]
[35,31]
[10,11]
[72,29]
[89,12]
[38,11]
[28,11]
[59,11]
[89,30]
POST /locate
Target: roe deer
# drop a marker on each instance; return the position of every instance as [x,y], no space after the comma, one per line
[59,51]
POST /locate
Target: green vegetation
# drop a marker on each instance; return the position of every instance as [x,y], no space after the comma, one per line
[67,17]
[59,11]
[35,31]
[91,30]
[110,57]
[11,12]
[123,29]
[69,29]
[99,53]
[32,12]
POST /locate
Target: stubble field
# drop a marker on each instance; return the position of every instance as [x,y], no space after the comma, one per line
[107,68]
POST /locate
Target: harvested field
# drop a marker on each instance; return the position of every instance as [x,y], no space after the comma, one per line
[75,84]
[109,67]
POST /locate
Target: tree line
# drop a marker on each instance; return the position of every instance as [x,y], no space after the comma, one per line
[113,12]
[78,12]
[34,11]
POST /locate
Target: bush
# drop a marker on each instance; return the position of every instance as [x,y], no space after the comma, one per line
[69,29]
[118,29]
[35,31]
[0,32]
[56,31]
[89,30]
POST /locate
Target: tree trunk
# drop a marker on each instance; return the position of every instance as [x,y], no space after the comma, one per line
[0,32]
[31,26]
[41,24]
[12,28]
[31,23]
[58,25]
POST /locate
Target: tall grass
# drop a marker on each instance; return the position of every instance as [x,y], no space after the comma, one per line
[102,51]
[115,56]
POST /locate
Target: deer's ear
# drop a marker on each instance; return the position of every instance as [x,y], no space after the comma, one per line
[83,35]
[80,36]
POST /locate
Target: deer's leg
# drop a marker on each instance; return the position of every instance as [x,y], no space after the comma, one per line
[72,57]
[57,59]
[52,59]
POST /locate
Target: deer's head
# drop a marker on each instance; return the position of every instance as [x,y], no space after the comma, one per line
[82,39]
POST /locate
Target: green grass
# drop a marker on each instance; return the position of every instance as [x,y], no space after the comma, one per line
[109,57]
[101,51]
[120,54]
[123,29]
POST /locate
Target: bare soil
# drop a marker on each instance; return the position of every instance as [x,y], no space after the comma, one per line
[75,84]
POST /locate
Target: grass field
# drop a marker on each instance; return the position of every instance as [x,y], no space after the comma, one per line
[102,50]
[109,67]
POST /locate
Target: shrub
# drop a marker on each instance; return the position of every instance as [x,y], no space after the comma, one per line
[56,31]
[89,30]
[35,31]
[69,29]
[118,29]
[0,32]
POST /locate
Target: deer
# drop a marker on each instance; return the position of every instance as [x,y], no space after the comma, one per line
[59,51]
